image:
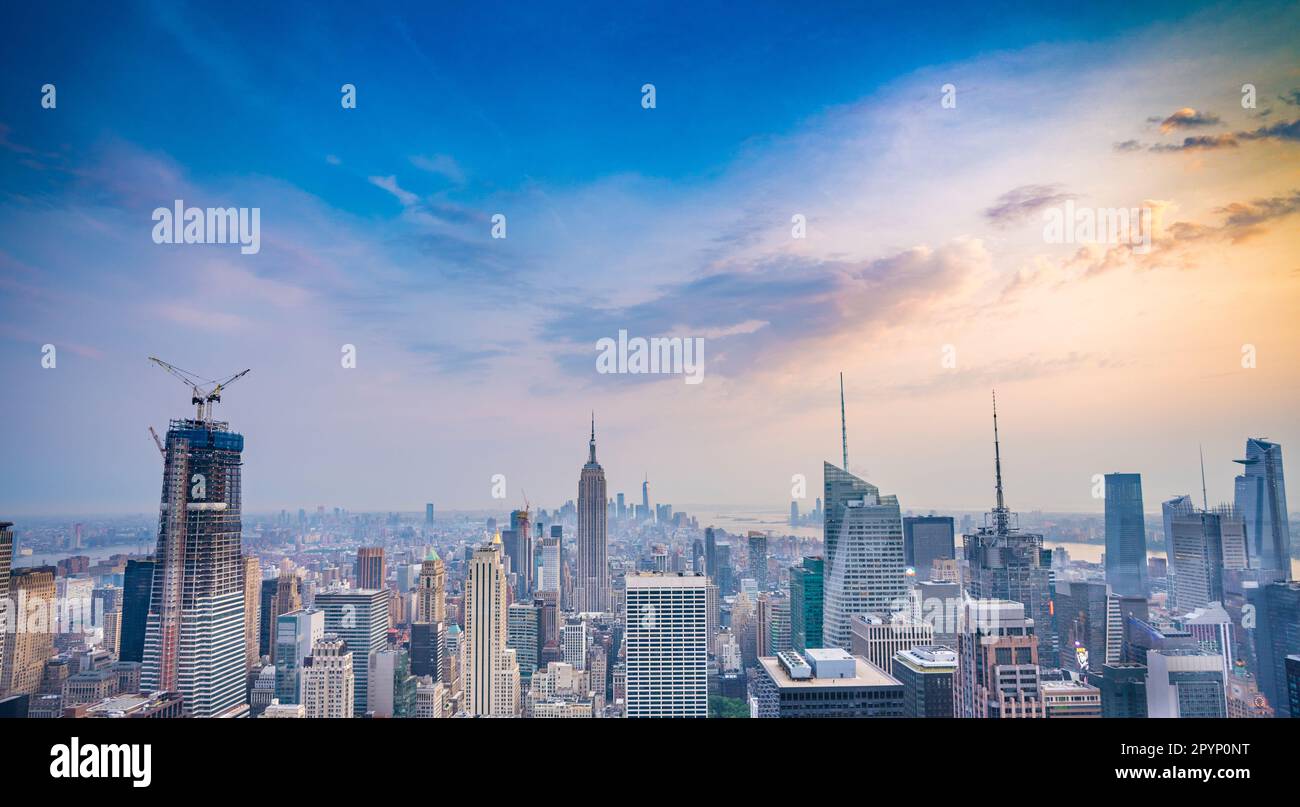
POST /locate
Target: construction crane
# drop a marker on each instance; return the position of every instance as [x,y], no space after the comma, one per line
[158,442]
[204,392]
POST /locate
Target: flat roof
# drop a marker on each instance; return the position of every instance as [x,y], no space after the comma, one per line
[868,675]
[661,580]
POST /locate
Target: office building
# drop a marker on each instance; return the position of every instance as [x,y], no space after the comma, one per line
[1123,687]
[878,639]
[295,637]
[926,673]
[665,635]
[252,585]
[328,679]
[1126,536]
[370,567]
[491,675]
[757,542]
[1185,683]
[807,603]
[925,540]
[359,617]
[998,650]
[524,635]
[1277,635]
[825,682]
[30,642]
[1069,698]
[1260,499]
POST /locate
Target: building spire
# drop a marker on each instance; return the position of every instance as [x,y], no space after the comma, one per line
[844,431]
[591,447]
[1205,497]
[1000,512]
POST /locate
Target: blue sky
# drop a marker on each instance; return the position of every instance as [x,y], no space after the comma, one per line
[476,355]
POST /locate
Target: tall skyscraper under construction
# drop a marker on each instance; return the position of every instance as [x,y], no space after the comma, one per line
[194,632]
[591,589]
[1007,564]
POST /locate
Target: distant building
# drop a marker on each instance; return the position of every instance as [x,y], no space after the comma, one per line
[1260,499]
[1123,688]
[825,682]
[360,618]
[1277,635]
[999,674]
[370,567]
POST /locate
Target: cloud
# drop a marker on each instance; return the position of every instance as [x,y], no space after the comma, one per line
[1292,98]
[1282,131]
[1023,202]
[1186,118]
[389,183]
[765,314]
[441,164]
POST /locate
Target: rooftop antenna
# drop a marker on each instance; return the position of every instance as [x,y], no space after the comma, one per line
[1000,512]
[1205,498]
[844,431]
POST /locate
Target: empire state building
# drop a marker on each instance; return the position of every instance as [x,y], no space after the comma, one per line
[591,589]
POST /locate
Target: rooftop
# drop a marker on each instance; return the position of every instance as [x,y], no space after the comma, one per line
[867,675]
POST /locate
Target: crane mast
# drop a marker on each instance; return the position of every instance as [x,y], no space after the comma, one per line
[204,392]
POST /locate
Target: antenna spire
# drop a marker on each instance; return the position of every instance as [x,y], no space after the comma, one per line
[1205,497]
[844,431]
[1000,512]
[591,454]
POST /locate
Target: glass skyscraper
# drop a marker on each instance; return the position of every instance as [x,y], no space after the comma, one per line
[806,603]
[1260,498]
[1126,537]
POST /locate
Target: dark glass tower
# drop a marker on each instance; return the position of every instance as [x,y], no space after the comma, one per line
[1126,535]
[806,604]
[137,583]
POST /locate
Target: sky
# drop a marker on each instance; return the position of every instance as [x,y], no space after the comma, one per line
[925,274]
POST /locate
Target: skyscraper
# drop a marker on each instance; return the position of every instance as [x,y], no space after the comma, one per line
[431,590]
[591,589]
[806,604]
[27,648]
[295,638]
[864,554]
[998,674]
[360,618]
[137,583]
[1260,499]
[194,637]
[665,629]
[252,578]
[758,558]
[490,667]
[1126,537]
[1277,635]
[370,567]
[925,540]
[6,564]
[1196,555]
[1185,683]
[1008,564]
[549,578]
[519,548]
[328,679]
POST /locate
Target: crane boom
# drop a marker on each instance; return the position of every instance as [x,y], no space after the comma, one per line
[204,392]
[158,442]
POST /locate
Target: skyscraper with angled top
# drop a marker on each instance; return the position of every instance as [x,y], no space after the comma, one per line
[1126,536]
[1260,498]
[863,537]
[591,589]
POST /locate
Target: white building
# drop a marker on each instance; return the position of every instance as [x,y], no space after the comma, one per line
[328,682]
[666,644]
[489,665]
[878,639]
[1185,683]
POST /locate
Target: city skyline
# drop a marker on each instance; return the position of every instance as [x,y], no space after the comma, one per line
[924,224]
